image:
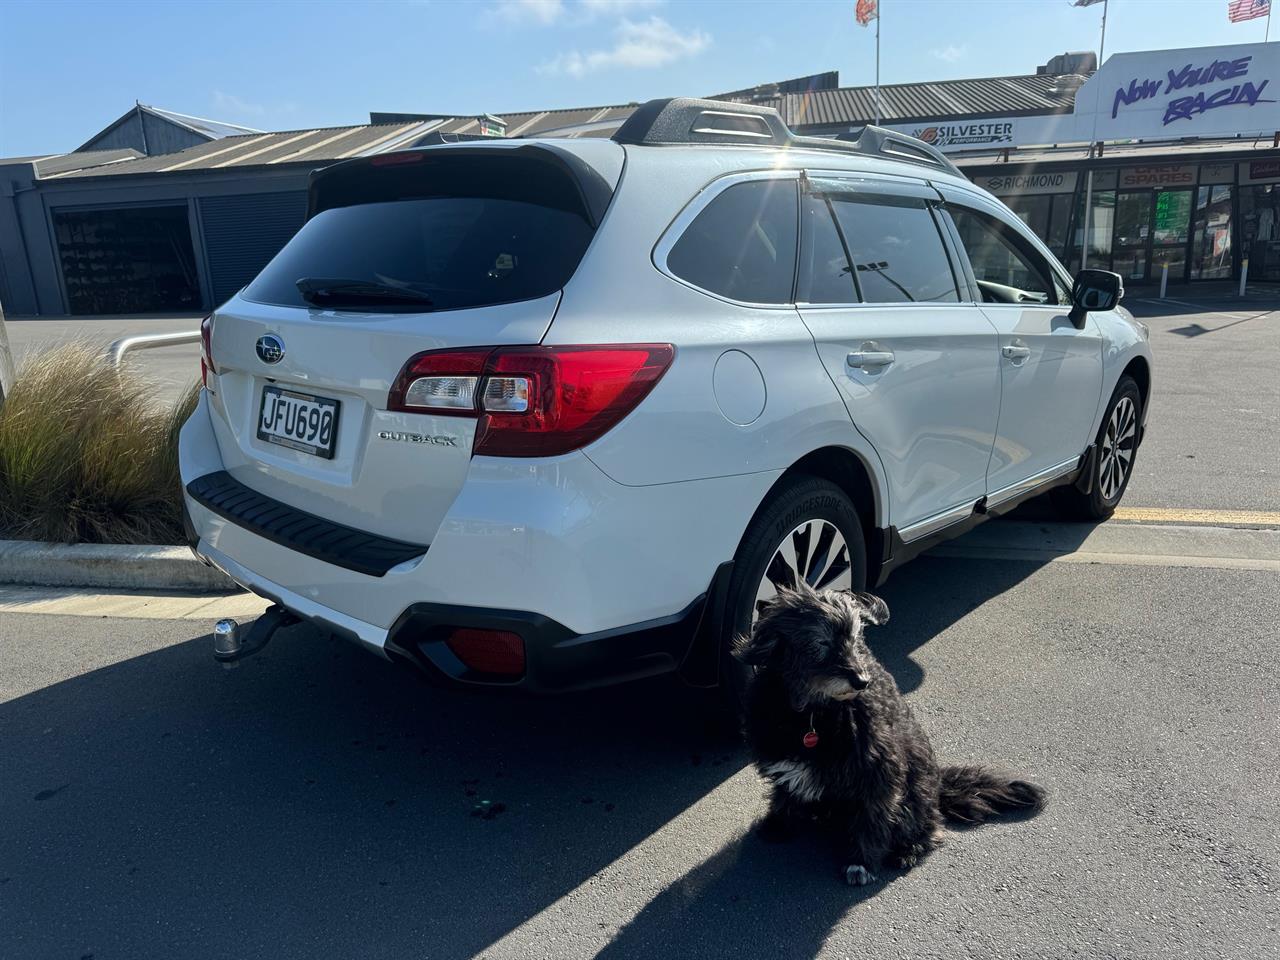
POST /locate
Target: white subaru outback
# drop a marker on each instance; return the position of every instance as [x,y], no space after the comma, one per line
[554,413]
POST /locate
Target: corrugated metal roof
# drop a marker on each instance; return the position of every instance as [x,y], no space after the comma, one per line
[210,128]
[990,96]
[264,149]
[845,106]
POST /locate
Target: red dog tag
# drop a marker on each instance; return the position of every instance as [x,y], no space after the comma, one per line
[810,739]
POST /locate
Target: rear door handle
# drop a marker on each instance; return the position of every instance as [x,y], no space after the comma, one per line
[869,359]
[1016,351]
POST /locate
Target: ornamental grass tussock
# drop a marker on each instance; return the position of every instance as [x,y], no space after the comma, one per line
[87,456]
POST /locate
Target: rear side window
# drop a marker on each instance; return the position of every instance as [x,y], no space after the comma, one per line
[743,245]
[896,250]
[457,232]
[825,274]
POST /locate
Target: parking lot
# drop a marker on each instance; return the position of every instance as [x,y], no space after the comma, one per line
[317,802]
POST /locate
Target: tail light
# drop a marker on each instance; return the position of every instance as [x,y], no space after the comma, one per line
[532,401]
[206,350]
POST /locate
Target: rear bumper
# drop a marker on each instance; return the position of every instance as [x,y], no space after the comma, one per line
[603,581]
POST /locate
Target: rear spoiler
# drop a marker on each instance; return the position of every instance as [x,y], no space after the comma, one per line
[551,174]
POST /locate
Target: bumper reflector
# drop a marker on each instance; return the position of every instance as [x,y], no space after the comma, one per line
[488,651]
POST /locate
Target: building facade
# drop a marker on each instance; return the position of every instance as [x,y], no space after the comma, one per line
[1162,160]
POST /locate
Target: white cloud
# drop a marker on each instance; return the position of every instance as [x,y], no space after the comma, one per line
[230,103]
[642,45]
[951,53]
[543,12]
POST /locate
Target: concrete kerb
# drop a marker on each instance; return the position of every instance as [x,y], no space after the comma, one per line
[120,566]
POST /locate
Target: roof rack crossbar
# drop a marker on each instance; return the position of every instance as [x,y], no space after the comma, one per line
[684,120]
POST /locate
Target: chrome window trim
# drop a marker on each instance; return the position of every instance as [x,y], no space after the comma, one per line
[675,230]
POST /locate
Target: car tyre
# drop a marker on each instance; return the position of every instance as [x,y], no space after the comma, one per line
[808,523]
[1115,451]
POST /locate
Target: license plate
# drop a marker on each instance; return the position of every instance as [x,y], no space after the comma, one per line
[298,421]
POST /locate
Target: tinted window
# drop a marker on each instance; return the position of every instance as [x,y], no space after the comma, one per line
[825,274]
[896,250]
[458,251]
[743,245]
[1006,273]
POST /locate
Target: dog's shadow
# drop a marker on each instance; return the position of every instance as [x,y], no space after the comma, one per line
[925,599]
[751,899]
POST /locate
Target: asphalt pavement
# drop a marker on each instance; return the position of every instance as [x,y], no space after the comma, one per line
[318,802]
[1214,427]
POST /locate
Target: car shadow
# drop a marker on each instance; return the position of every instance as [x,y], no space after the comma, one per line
[317,800]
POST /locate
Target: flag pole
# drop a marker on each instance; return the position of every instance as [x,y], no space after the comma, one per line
[1267,36]
[1102,45]
[878,60]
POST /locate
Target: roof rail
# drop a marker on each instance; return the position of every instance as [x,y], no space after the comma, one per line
[684,120]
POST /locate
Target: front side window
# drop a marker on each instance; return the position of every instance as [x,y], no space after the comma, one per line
[743,244]
[896,250]
[1006,273]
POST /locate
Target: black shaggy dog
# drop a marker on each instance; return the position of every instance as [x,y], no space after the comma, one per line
[839,745]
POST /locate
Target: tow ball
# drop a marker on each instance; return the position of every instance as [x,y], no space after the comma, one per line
[231,644]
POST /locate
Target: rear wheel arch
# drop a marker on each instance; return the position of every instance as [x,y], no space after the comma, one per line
[848,471]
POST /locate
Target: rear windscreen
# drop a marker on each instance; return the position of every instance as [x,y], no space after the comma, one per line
[462,232]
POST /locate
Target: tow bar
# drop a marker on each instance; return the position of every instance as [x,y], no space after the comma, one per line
[228,647]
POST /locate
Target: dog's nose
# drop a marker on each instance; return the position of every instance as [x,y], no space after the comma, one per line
[859,681]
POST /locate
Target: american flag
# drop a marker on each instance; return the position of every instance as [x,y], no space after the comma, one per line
[866,11]
[1238,10]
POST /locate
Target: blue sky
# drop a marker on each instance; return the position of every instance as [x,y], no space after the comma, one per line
[69,68]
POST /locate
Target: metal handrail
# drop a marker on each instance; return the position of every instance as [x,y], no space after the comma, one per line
[148,341]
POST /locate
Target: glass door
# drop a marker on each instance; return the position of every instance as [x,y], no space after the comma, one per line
[1170,231]
[1131,246]
[1211,235]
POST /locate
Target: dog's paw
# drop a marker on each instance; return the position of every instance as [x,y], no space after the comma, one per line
[856,875]
[910,857]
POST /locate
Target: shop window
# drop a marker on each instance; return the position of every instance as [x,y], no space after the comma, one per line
[1211,234]
[128,260]
[1101,227]
[1260,230]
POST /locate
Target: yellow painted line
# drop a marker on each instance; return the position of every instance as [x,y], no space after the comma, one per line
[1251,518]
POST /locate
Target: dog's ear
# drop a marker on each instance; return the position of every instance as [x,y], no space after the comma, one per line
[873,609]
[755,649]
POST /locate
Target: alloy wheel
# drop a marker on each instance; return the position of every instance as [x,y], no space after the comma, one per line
[816,552]
[1117,448]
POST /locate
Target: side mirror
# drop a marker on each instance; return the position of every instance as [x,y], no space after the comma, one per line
[1094,290]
